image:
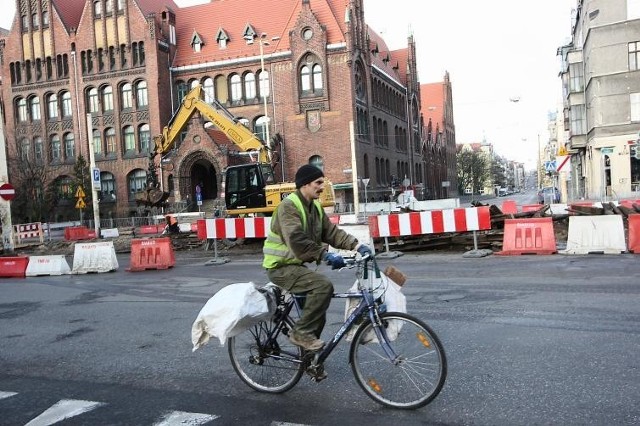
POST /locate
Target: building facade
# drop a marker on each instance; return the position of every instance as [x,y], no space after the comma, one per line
[309,77]
[601,87]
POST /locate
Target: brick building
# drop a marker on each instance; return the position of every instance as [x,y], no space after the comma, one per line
[331,94]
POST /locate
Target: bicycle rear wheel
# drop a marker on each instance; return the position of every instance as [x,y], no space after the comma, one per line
[414,378]
[266,364]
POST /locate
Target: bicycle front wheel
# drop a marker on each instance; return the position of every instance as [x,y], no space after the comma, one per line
[264,358]
[415,375]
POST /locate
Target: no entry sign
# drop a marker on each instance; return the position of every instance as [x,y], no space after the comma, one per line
[7,192]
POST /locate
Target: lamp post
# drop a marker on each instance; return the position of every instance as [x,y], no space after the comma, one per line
[264,42]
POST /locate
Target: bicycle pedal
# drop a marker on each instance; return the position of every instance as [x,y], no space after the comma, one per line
[317,373]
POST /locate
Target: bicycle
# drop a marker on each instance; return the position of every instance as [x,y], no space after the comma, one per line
[396,359]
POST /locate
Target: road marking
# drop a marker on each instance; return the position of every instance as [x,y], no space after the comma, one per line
[287,424]
[182,418]
[7,394]
[62,410]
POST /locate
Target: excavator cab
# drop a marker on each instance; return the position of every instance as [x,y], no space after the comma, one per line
[245,186]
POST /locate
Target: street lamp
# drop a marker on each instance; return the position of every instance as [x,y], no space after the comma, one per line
[264,42]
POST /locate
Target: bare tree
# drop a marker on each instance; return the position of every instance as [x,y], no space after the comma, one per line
[34,198]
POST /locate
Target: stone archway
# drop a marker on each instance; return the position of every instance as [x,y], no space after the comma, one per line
[198,168]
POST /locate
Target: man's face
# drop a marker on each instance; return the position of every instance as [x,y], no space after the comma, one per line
[312,190]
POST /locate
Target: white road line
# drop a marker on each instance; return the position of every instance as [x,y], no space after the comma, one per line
[7,394]
[62,410]
[182,418]
[287,424]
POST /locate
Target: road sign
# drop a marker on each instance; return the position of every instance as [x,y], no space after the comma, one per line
[562,151]
[80,193]
[607,150]
[80,204]
[95,179]
[563,163]
[199,198]
[550,166]
[7,192]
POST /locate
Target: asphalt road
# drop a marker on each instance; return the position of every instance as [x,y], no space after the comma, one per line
[529,340]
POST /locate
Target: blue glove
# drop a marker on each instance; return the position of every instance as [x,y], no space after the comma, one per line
[363,250]
[335,260]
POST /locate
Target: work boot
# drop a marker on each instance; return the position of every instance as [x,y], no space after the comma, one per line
[306,341]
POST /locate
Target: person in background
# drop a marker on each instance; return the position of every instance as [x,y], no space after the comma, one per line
[299,234]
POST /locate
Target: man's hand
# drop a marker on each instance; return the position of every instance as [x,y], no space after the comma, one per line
[363,250]
[335,260]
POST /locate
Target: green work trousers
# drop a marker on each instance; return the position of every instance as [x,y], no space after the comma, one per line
[299,279]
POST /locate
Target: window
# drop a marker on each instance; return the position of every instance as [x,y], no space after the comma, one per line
[305,79]
[209,95]
[634,99]
[108,7]
[110,140]
[264,84]
[126,96]
[65,188]
[260,128]
[93,101]
[56,149]
[107,187]
[120,5]
[112,57]
[576,73]
[311,80]
[23,111]
[137,181]
[107,99]
[578,122]
[35,21]
[25,149]
[67,110]
[182,89]
[236,88]
[142,96]
[144,136]
[317,161]
[69,146]
[38,150]
[25,23]
[317,77]
[129,139]
[97,142]
[52,106]
[45,18]
[634,55]
[249,85]
[34,107]
[123,56]
[97,9]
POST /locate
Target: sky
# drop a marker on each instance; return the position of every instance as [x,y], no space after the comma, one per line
[495,51]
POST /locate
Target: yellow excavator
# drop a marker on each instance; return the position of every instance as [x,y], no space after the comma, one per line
[250,189]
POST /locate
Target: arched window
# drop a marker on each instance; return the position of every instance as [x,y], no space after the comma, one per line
[34,107]
[209,94]
[107,99]
[97,142]
[45,18]
[260,128]
[93,100]
[107,187]
[126,96]
[305,79]
[97,9]
[55,149]
[108,7]
[67,110]
[236,88]
[265,90]
[129,139]
[136,182]
[110,140]
[181,89]
[311,78]
[142,97]
[25,149]
[249,86]
[69,146]
[144,138]
[317,78]
[38,150]
[317,161]
[23,111]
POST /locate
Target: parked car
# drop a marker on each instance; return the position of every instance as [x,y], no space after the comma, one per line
[548,195]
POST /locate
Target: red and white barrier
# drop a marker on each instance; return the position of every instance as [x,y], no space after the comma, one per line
[430,222]
[27,231]
[247,227]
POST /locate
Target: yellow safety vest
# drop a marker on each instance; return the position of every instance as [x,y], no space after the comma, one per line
[276,252]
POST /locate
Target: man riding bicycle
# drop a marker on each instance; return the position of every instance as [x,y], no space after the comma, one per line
[299,233]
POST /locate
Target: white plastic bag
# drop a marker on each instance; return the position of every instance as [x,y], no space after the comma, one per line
[391,295]
[232,310]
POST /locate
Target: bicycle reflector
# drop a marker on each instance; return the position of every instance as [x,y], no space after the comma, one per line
[423,339]
[373,384]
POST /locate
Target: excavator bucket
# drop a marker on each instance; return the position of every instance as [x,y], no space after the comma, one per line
[152,197]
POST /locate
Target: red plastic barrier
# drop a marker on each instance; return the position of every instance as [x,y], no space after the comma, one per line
[152,253]
[151,229]
[14,267]
[75,233]
[634,233]
[528,236]
[531,207]
[509,207]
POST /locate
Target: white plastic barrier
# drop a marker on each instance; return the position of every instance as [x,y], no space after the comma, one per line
[109,233]
[595,234]
[94,257]
[47,265]
[361,232]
